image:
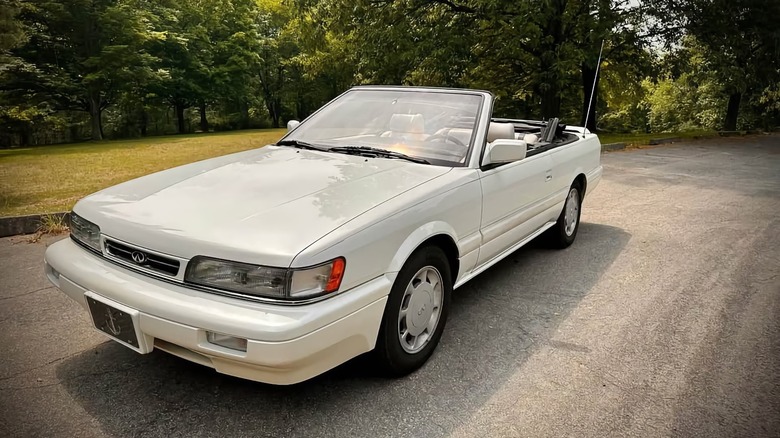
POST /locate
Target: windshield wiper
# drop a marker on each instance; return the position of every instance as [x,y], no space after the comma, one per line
[353,150]
[377,152]
[302,145]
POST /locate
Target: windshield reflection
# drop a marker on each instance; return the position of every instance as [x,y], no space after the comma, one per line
[435,126]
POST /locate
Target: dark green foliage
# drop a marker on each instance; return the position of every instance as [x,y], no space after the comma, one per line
[740,43]
[76,69]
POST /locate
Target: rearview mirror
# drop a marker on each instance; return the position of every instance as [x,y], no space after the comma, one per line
[505,151]
[292,124]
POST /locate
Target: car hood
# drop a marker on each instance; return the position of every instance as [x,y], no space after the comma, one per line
[262,206]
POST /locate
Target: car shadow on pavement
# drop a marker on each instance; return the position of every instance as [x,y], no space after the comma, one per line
[497,321]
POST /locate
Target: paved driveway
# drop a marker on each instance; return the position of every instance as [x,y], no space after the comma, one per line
[663,319]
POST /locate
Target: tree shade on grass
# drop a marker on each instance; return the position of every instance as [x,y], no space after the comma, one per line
[644,139]
[52,178]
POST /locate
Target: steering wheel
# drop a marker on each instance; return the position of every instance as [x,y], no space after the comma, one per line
[446,137]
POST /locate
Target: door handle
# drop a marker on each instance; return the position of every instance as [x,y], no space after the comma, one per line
[549,175]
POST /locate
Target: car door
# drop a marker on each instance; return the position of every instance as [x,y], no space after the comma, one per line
[515,203]
[570,160]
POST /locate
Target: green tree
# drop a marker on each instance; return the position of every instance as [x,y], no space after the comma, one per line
[205,51]
[83,51]
[623,103]
[14,117]
[740,39]
[12,33]
[535,54]
[183,62]
[275,49]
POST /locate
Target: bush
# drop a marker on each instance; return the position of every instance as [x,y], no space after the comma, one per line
[683,104]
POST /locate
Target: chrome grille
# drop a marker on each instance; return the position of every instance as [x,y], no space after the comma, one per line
[141,258]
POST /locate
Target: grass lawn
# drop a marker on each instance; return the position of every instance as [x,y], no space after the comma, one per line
[643,139]
[46,179]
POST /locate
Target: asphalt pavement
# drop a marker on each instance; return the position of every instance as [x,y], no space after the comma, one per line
[663,319]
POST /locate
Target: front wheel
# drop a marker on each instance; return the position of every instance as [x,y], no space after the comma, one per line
[563,233]
[416,312]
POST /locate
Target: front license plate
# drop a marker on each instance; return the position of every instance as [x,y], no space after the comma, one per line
[114,322]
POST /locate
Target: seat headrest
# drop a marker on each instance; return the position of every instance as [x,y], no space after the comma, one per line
[412,123]
[462,134]
[500,131]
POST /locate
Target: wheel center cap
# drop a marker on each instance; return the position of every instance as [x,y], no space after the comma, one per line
[420,310]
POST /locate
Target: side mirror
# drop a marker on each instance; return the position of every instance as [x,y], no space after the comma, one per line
[505,151]
[292,124]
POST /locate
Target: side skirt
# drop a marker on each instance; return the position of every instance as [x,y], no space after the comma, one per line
[503,255]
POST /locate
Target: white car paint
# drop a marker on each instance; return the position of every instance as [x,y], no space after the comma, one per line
[229,208]
[285,207]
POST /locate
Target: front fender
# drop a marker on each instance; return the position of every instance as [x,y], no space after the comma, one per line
[416,238]
[379,243]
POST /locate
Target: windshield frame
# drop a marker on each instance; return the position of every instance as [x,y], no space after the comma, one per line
[477,135]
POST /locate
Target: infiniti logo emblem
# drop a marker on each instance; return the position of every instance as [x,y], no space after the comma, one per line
[138,257]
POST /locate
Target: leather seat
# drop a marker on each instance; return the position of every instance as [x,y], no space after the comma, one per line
[461,134]
[503,131]
[528,138]
[409,126]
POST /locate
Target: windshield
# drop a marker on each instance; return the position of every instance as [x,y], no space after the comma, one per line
[434,126]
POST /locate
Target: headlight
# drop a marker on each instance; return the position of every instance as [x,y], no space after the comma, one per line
[314,281]
[262,281]
[85,232]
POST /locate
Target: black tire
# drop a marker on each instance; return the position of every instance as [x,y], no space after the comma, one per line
[391,357]
[557,236]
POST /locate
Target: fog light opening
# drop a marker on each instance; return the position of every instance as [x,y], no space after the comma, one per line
[231,342]
[53,274]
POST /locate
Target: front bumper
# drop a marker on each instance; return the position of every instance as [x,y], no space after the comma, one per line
[285,344]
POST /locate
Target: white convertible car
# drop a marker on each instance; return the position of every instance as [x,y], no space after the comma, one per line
[346,236]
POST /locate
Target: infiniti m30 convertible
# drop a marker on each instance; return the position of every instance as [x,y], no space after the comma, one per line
[347,236]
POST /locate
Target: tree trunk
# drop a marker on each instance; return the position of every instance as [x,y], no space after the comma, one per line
[24,136]
[179,117]
[204,122]
[74,133]
[144,120]
[94,115]
[100,123]
[244,107]
[589,82]
[527,110]
[549,87]
[277,115]
[274,106]
[300,107]
[732,112]
[551,102]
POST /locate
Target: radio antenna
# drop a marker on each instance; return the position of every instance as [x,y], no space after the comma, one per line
[593,90]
